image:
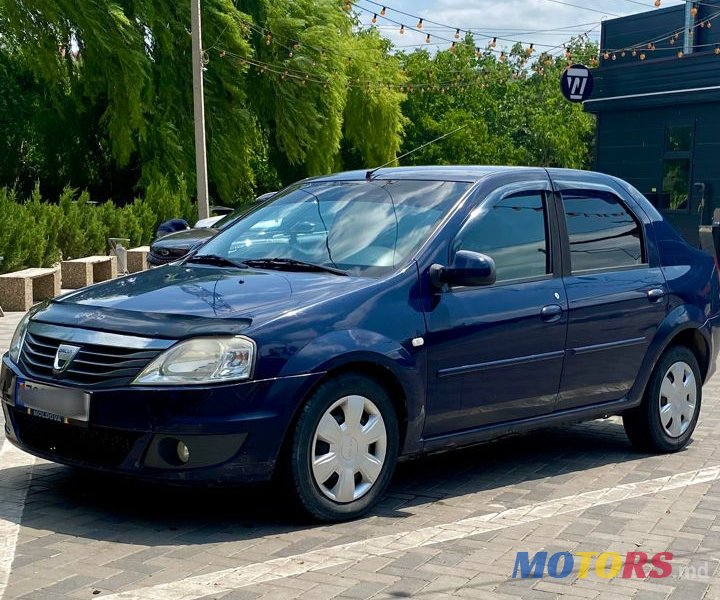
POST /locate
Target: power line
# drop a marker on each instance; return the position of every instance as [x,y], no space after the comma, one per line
[600,12]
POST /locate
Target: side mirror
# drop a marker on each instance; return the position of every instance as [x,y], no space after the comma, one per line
[470,269]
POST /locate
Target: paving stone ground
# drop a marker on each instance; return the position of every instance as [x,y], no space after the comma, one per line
[450,527]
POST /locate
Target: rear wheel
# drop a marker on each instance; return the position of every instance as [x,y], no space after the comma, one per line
[344,448]
[667,417]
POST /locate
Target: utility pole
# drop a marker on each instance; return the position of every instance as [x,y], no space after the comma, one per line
[199,110]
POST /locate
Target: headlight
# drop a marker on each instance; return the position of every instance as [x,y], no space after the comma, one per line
[19,337]
[201,360]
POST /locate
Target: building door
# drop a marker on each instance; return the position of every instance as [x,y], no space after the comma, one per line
[680,201]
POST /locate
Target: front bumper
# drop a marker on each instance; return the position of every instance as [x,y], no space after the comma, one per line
[234,433]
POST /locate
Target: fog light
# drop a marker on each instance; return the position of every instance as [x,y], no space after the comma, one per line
[183,452]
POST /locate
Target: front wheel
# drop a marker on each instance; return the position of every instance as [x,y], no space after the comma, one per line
[669,412]
[344,448]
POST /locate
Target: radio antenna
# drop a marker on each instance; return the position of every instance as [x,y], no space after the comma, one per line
[371,172]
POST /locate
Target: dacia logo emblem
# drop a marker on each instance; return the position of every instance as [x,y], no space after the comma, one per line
[63,357]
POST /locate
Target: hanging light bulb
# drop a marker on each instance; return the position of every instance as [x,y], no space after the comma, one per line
[420,24]
[634,52]
[427,38]
[606,55]
[402,29]
[680,54]
[702,25]
[382,12]
[290,54]
[452,48]
[709,24]
[347,5]
[374,19]
[623,53]
[694,11]
[493,44]
[614,56]
[457,34]
[477,53]
[503,58]
[531,49]
[658,3]
[717,50]
[642,56]
[672,41]
[268,38]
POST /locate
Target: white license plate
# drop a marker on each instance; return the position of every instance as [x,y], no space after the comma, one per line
[52,402]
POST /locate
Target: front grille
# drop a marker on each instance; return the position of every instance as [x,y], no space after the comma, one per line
[95,366]
[97,446]
[172,255]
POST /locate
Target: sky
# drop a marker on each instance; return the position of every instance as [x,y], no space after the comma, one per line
[530,21]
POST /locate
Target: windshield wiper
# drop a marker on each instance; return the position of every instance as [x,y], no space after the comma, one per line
[290,264]
[214,259]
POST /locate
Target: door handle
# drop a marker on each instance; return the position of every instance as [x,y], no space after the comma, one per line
[551,313]
[656,294]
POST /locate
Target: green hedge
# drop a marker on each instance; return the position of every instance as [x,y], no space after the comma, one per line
[36,233]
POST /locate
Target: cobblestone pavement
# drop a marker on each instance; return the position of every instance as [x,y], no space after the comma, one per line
[450,527]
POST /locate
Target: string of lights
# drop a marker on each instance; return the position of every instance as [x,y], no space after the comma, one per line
[459,32]
[287,73]
[672,37]
[463,80]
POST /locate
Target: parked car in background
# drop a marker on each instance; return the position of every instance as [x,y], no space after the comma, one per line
[361,317]
[217,213]
[174,246]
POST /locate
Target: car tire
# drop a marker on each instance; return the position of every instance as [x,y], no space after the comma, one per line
[344,448]
[669,412]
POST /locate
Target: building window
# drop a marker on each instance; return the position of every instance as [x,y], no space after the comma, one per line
[676,184]
[678,138]
[677,168]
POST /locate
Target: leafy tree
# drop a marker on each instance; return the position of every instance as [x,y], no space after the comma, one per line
[99,93]
[510,106]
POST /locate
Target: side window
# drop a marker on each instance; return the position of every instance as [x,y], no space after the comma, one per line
[513,232]
[603,234]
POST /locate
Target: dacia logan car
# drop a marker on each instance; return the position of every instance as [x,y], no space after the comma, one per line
[366,316]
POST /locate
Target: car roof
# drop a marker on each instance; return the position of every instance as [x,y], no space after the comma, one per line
[460,173]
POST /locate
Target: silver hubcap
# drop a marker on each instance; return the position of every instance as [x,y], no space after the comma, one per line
[678,395]
[348,451]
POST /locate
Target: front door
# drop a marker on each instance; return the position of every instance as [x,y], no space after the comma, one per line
[616,299]
[496,353]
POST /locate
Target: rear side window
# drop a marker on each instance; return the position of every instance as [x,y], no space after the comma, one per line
[511,231]
[603,234]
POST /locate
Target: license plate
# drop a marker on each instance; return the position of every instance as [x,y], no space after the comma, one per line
[52,402]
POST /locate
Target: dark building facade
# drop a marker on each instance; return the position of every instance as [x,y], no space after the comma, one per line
[657,101]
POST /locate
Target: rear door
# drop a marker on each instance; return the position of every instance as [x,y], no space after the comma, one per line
[616,296]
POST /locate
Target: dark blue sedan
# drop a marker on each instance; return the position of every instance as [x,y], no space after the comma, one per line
[365,316]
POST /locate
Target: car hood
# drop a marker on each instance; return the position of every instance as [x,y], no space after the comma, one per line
[183,239]
[178,300]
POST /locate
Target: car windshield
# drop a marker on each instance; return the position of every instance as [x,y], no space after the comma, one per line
[362,227]
[227,219]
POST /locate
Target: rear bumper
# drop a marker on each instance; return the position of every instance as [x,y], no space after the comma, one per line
[233,433]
